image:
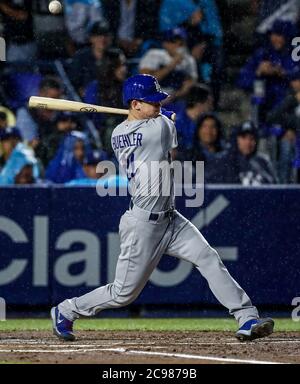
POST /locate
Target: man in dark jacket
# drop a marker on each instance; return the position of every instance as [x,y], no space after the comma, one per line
[271,65]
[18,29]
[36,124]
[287,114]
[88,61]
[241,164]
[198,102]
[64,123]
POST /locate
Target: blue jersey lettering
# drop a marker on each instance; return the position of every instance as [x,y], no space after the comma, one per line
[123,141]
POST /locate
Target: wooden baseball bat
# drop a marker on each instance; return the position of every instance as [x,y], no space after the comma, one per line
[71,106]
[75,106]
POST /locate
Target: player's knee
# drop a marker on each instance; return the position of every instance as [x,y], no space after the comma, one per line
[124,297]
[209,256]
[125,300]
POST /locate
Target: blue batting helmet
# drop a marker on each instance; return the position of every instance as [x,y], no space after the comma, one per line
[144,88]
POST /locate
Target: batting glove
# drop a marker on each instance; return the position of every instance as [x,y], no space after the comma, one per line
[169,114]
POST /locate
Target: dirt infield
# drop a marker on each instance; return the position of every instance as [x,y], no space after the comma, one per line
[148,347]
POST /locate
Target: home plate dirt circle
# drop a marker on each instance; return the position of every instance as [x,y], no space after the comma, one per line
[114,347]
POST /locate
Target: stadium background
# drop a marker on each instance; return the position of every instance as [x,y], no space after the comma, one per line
[58,238]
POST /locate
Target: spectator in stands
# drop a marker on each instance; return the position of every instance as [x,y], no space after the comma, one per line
[271,65]
[68,162]
[199,17]
[96,173]
[241,163]
[7,118]
[204,38]
[34,125]
[90,168]
[18,30]
[79,15]
[107,91]
[199,101]
[47,148]
[3,120]
[173,66]
[202,51]
[19,165]
[201,13]
[133,21]
[90,164]
[287,116]
[208,139]
[89,61]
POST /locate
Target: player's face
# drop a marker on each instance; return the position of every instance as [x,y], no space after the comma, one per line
[145,110]
[246,144]
[151,109]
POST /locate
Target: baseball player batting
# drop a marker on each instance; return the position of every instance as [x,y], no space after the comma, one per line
[152,226]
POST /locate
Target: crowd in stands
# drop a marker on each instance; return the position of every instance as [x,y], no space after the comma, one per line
[181,42]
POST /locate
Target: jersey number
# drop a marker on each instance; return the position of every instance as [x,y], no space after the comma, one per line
[130,167]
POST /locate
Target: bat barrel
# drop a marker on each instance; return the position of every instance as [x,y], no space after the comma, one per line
[75,106]
[71,106]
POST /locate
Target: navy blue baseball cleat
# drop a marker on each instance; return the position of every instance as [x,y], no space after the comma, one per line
[255,329]
[62,327]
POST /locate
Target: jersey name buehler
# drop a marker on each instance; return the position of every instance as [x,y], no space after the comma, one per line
[123,141]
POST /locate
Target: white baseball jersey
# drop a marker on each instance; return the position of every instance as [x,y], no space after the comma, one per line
[143,149]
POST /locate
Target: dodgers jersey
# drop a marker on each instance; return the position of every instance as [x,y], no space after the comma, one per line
[143,150]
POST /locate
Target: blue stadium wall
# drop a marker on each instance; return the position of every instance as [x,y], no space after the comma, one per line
[59,242]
